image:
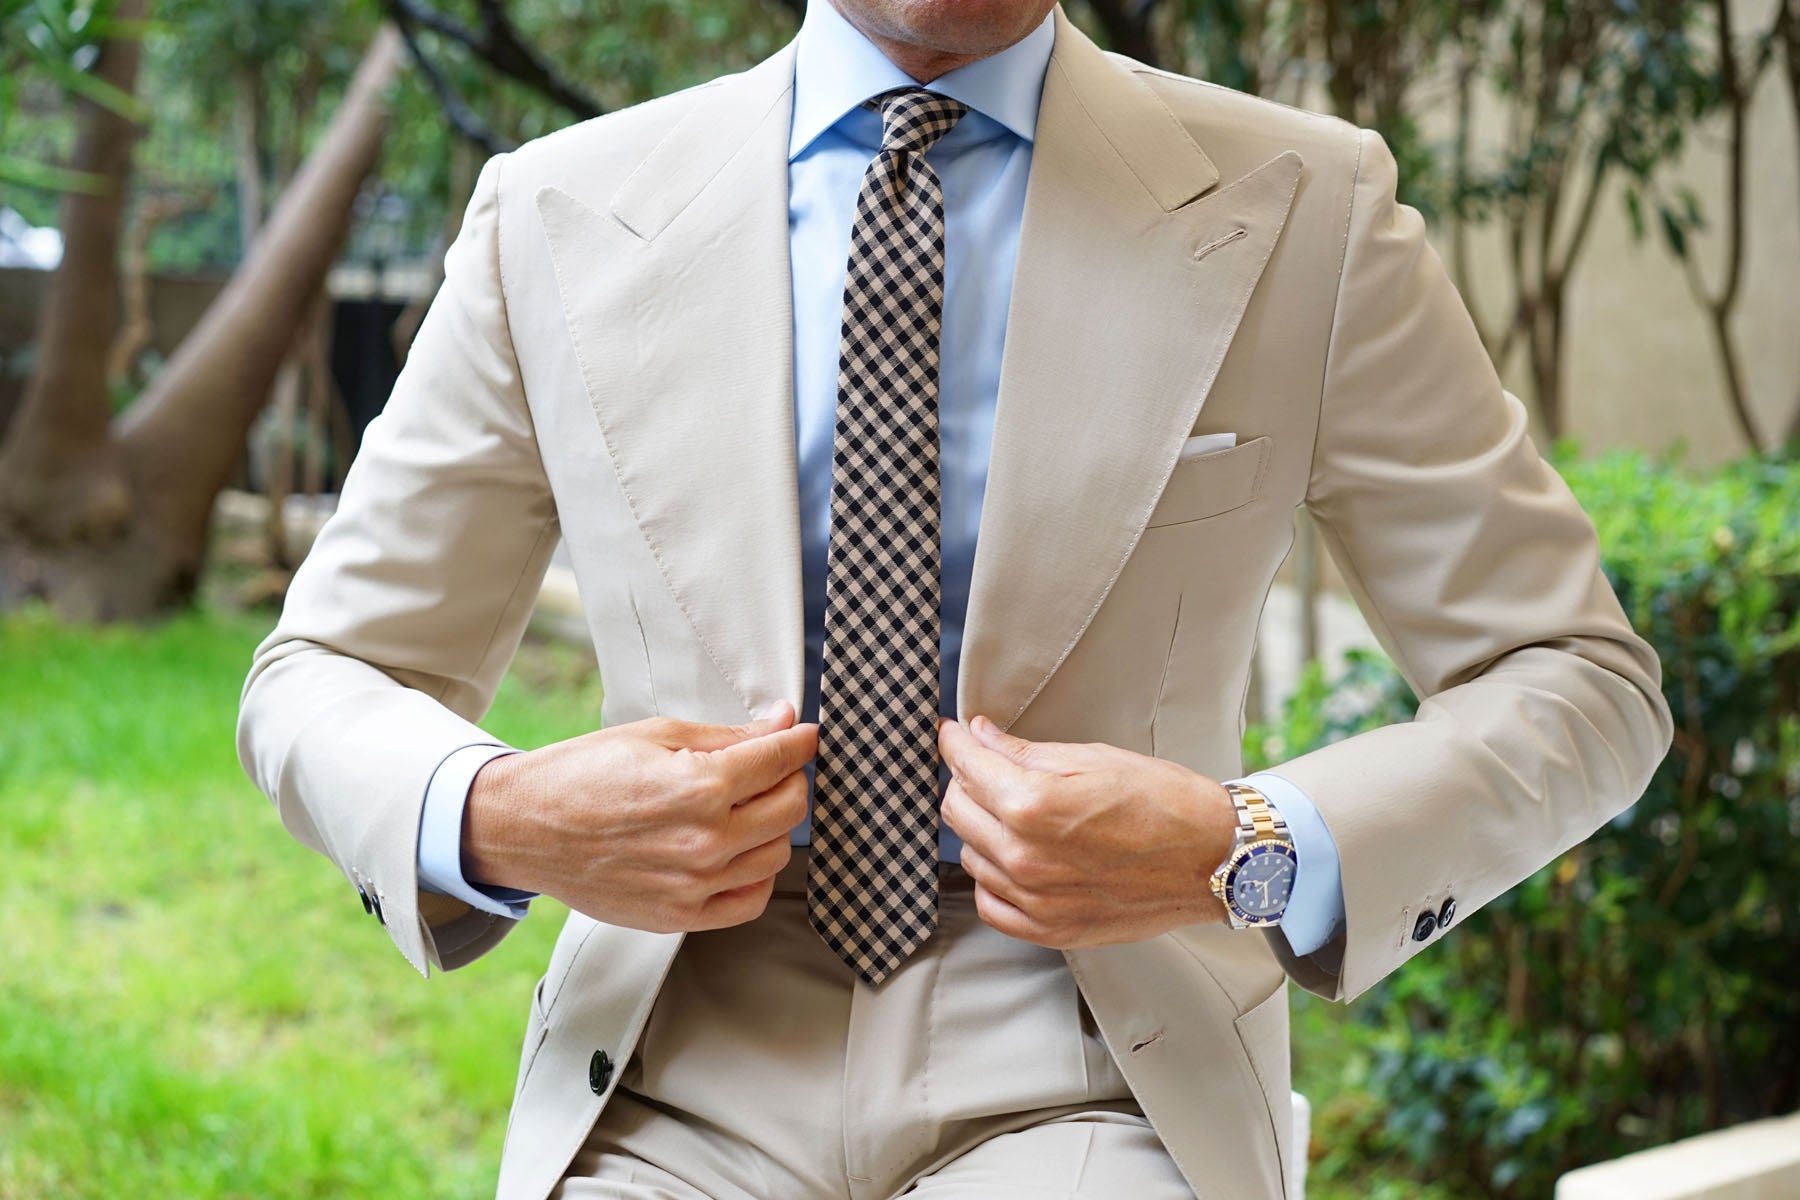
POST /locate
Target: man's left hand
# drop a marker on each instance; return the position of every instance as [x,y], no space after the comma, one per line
[1081,843]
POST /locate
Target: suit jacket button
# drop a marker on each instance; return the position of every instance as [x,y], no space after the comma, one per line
[1447,913]
[1427,925]
[600,1069]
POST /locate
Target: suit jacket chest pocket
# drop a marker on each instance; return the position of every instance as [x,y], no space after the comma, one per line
[1213,484]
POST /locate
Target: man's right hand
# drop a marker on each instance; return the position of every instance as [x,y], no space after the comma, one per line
[663,824]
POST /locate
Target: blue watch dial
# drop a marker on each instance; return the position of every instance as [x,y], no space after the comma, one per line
[1260,885]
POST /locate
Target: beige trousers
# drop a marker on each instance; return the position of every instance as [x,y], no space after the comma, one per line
[769,1071]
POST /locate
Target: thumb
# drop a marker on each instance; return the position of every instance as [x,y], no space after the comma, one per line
[776,714]
[696,735]
[1022,752]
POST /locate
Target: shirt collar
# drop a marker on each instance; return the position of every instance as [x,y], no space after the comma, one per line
[836,68]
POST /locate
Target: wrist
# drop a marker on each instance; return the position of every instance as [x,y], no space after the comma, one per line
[494,820]
[1218,827]
[1258,874]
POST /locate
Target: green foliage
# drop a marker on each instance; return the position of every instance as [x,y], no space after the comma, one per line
[47,50]
[1613,84]
[191,1003]
[1645,986]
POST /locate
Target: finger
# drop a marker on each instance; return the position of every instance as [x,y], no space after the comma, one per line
[681,734]
[1037,756]
[756,864]
[1008,918]
[734,907]
[761,762]
[984,774]
[991,875]
[975,825]
[774,812]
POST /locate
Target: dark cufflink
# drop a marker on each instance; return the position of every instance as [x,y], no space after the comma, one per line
[600,1069]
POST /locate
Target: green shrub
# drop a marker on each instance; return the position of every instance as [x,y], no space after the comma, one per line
[1645,986]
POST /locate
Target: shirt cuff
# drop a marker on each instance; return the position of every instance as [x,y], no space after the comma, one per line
[1315,908]
[440,835]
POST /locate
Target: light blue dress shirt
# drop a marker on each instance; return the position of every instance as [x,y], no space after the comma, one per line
[982,164]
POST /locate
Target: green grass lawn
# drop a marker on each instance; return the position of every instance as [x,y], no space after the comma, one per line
[194,1005]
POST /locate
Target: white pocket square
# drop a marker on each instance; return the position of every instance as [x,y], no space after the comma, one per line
[1206,443]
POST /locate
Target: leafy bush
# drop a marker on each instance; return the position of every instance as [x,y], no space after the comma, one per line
[1645,986]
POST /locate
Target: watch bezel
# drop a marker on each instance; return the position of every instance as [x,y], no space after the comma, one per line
[1235,862]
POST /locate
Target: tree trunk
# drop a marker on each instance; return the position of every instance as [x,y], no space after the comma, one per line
[1788,26]
[1545,345]
[137,326]
[176,446]
[248,127]
[60,478]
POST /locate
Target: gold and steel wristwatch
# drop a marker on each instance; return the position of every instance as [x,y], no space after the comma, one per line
[1257,877]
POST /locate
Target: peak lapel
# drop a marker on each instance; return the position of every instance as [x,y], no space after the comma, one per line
[1126,295]
[678,300]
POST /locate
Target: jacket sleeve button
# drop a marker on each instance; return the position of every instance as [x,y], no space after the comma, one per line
[1447,913]
[600,1069]
[375,903]
[362,892]
[1426,926]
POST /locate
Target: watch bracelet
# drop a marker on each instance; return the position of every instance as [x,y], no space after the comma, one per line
[1257,818]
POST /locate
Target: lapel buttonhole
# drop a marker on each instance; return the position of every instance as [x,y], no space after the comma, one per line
[1217,242]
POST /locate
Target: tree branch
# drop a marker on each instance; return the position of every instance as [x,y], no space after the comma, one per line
[497,43]
[461,117]
[1735,88]
[507,52]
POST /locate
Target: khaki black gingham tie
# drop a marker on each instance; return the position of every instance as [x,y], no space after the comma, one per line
[872,882]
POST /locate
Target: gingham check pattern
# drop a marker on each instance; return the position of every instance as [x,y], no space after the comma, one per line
[872,881]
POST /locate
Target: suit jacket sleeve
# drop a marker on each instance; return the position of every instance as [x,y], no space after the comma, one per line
[1541,711]
[406,612]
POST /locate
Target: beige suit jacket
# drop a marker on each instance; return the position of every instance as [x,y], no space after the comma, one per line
[608,364]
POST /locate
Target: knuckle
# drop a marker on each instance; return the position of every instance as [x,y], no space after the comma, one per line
[1027,868]
[690,842]
[706,784]
[1051,920]
[1020,863]
[714,853]
[687,892]
[669,918]
[662,725]
[796,808]
[1023,810]
[1009,920]
[743,904]
[758,899]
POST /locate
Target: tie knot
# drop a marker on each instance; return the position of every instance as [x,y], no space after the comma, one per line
[913,119]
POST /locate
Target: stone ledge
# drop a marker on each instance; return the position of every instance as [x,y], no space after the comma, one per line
[1756,1161]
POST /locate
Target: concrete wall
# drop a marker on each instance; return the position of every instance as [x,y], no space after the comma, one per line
[1641,371]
